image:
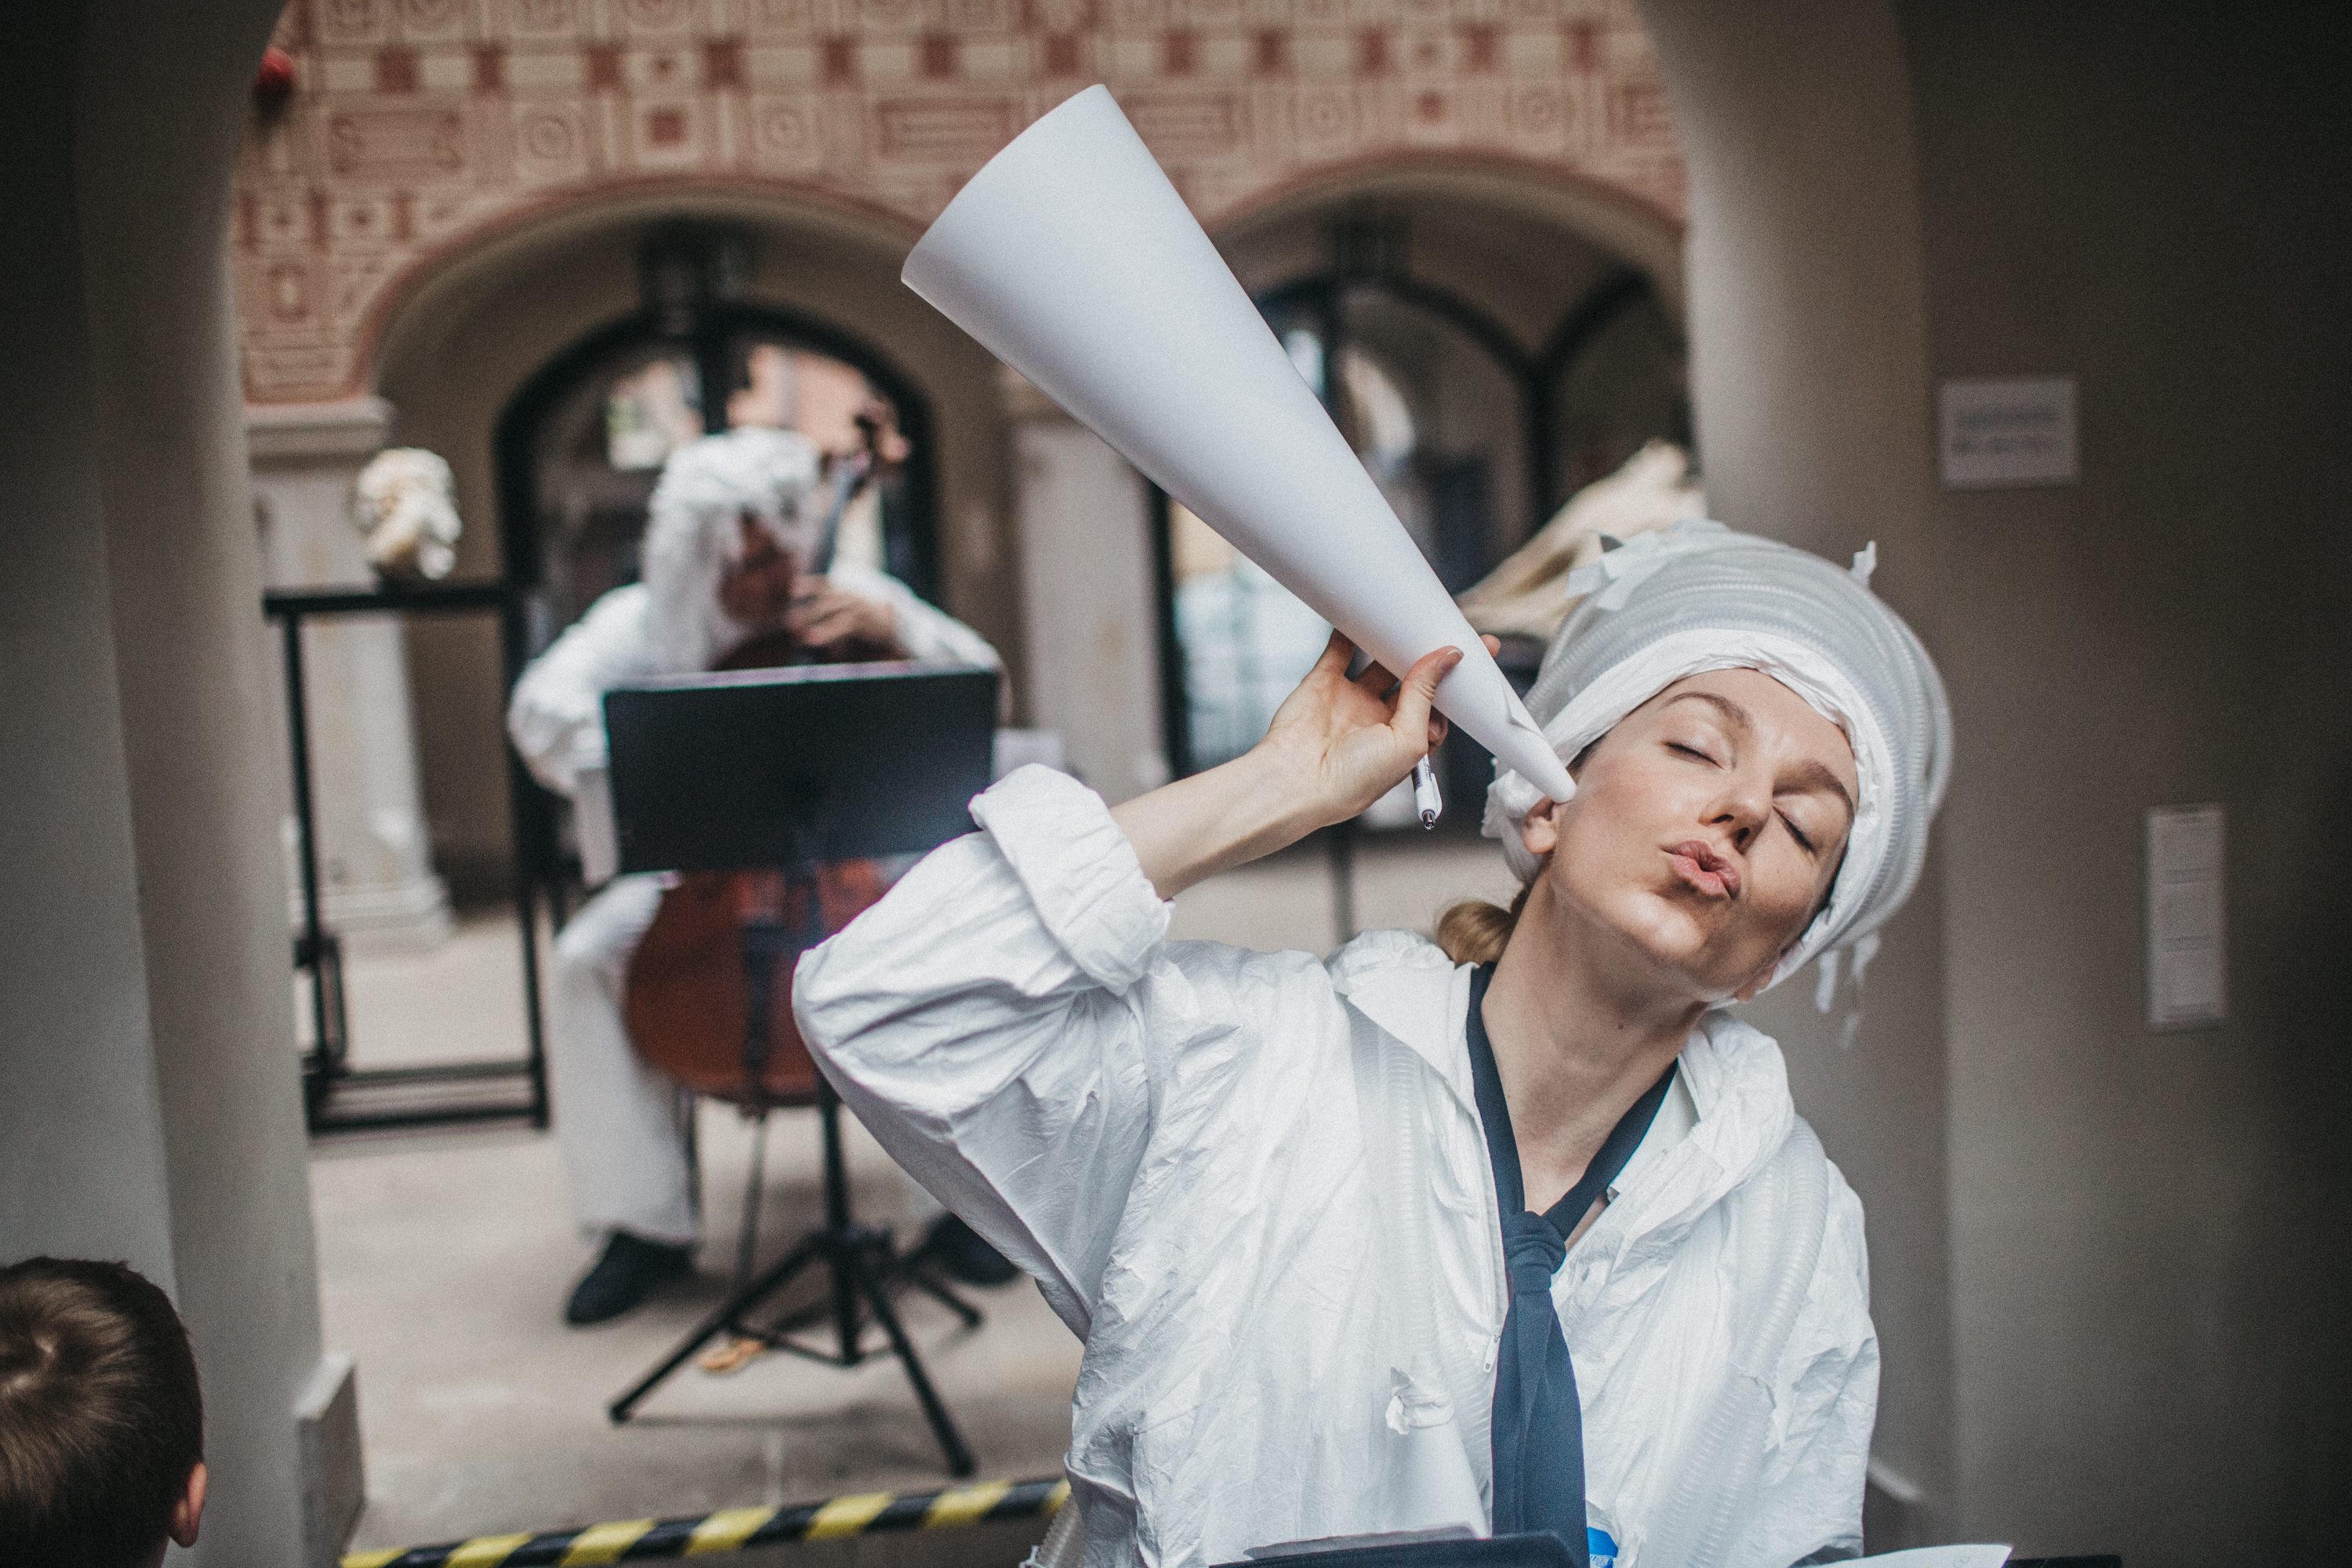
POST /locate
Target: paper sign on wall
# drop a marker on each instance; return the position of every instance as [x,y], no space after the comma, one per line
[2007,434]
[2187,970]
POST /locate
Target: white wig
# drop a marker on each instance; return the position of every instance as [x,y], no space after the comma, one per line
[406,514]
[1697,597]
[695,534]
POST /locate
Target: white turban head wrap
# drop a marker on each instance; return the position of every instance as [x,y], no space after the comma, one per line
[1697,596]
[695,535]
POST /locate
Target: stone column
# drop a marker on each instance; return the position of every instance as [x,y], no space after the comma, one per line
[375,870]
[1092,630]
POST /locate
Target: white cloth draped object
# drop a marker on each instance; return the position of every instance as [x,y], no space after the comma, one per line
[1698,596]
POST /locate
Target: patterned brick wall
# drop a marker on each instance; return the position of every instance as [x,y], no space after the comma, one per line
[418,123]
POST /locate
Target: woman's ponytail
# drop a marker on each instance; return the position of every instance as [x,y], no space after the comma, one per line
[1475,931]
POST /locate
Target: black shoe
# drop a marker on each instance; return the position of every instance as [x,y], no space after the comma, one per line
[630,1269]
[957,1249]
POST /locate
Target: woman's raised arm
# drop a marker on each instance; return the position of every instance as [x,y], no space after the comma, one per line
[1336,745]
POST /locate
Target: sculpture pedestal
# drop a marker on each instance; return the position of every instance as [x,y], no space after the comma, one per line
[378,888]
[1084,521]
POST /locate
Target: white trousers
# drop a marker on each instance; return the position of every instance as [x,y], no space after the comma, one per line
[620,1123]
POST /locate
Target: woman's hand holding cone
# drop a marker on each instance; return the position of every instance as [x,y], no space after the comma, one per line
[1336,745]
[1346,743]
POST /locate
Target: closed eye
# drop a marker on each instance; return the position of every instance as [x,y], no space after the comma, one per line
[1688,751]
[1798,833]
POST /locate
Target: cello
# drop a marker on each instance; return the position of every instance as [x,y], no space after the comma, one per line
[718,953]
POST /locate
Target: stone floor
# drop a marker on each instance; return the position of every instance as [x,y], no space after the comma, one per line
[445,1258]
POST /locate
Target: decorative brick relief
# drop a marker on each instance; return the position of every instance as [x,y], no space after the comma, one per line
[416,124]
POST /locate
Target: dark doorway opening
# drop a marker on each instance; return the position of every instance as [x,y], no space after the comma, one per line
[1475,442]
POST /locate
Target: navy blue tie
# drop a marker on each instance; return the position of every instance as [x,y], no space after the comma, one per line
[1539,1423]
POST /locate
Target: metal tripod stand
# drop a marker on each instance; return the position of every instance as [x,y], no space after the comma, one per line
[860,1258]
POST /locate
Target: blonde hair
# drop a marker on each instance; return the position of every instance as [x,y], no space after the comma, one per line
[1475,931]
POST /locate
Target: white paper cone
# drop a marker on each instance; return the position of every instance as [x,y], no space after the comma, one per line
[1074,260]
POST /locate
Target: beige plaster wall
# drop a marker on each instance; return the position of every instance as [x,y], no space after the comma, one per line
[81,1141]
[2108,1264]
[1808,382]
[462,347]
[149,1103]
[2149,1252]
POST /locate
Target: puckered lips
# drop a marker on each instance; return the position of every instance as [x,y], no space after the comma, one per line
[1705,869]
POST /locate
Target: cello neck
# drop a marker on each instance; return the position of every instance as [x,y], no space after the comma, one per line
[849,478]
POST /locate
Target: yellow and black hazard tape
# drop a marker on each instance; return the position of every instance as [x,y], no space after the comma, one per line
[734,1529]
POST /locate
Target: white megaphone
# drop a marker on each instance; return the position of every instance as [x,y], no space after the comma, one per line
[1073,259]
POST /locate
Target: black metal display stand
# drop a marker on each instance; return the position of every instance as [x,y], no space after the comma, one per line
[789,769]
[395,1095]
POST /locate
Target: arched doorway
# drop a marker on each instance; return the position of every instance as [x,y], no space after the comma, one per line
[498,316]
[1479,407]
[582,444]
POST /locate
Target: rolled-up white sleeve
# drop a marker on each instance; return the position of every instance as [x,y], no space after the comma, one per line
[556,716]
[979,1022]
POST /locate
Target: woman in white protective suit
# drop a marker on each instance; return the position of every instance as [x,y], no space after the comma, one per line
[1518,1230]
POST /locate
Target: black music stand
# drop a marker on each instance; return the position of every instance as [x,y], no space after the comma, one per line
[788,769]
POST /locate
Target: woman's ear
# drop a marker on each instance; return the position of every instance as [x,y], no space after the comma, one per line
[188,1512]
[1540,829]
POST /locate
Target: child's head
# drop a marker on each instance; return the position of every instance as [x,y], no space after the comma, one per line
[102,1424]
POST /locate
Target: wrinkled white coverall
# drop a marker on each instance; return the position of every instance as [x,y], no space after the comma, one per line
[1228,1169]
[617,1118]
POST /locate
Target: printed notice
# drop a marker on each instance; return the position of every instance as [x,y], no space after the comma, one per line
[2000,435]
[2186,975]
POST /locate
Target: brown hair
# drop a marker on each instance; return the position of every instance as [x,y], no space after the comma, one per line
[100,1416]
[1475,931]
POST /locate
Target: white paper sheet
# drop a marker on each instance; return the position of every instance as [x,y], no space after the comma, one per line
[1073,259]
[1940,1557]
